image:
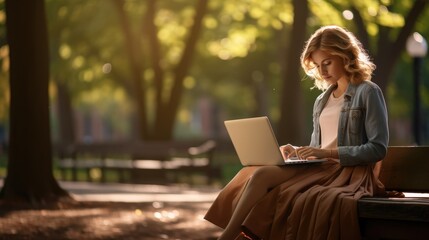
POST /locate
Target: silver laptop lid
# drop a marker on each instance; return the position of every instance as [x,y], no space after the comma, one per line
[254,141]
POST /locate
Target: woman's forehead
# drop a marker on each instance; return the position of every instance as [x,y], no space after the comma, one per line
[319,56]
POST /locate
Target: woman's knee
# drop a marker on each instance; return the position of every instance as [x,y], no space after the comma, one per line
[264,176]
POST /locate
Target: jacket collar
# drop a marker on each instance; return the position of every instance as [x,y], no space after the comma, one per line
[348,95]
[350,92]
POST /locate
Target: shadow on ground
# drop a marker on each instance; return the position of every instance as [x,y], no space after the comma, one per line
[96,219]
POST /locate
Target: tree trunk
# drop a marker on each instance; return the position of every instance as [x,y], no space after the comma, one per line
[29,176]
[134,53]
[155,53]
[291,125]
[162,127]
[65,116]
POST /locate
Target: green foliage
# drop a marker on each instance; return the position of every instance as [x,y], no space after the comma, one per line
[237,66]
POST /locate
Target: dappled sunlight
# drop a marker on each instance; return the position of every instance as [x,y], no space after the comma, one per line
[197,221]
[390,19]
[156,220]
[238,44]
[75,213]
[167,216]
[78,62]
[157,195]
[4,57]
[107,68]
[64,51]
[347,14]
[111,224]
[210,22]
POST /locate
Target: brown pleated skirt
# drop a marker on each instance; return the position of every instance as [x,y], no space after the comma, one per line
[318,202]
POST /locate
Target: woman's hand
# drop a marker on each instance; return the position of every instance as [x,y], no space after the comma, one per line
[312,153]
[288,151]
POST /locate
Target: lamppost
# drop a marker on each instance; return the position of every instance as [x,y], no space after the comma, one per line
[417,49]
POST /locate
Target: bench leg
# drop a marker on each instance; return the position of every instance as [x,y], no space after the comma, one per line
[88,175]
[103,175]
[122,175]
[63,172]
[74,174]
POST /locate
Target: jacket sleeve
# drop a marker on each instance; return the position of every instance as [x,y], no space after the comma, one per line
[315,135]
[376,132]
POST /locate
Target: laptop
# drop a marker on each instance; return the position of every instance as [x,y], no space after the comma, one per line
[255,143]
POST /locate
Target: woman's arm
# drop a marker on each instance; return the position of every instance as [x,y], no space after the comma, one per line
[375,130]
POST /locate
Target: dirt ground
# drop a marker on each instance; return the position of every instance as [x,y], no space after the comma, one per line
[109,220]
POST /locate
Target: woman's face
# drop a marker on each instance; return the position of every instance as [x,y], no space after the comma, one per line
[330,67]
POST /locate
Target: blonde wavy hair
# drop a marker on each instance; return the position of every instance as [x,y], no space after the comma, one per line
[340,42]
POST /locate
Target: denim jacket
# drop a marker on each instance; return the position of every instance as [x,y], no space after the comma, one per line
[363,132]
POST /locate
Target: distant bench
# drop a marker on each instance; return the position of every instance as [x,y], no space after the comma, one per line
[140,162]
[404,169]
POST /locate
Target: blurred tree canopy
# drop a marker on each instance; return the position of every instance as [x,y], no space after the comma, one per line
[156,70]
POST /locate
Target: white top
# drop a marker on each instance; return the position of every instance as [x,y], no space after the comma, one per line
[329,119]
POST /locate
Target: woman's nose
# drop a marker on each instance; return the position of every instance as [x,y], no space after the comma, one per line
[322,71]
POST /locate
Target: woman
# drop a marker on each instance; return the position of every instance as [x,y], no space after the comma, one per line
[317,201]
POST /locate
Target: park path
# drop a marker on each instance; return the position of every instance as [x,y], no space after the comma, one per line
[118,192]
[118,211]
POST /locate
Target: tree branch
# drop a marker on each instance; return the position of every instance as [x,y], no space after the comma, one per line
[155,51]
[185,62]
[361,27]
[136,68]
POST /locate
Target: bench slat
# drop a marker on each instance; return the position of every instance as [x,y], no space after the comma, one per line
[406,209]
[144,160]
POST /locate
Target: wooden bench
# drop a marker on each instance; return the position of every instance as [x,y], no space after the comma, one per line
[404,169]
[139,162]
